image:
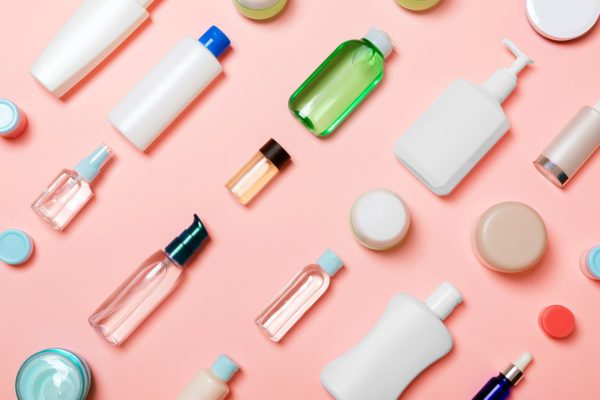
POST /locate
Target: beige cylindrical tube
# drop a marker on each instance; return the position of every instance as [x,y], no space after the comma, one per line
[572,147]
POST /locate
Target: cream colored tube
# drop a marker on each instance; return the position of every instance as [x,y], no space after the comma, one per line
[206,386]
[96,29]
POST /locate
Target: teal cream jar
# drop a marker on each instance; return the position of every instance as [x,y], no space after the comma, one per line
[53,374]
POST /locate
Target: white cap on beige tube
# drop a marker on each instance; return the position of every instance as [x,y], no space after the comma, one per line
[572,147]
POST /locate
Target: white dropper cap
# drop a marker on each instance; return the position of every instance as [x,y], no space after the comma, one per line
[504,80]
[443,300]
[523,361]
[381,40]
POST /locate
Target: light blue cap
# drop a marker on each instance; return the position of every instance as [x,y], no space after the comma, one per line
[9,116]
[15,246]
[593,261]
[330,262]
[90,166]
[224,368]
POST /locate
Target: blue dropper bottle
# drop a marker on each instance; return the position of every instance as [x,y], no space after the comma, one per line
[499,387]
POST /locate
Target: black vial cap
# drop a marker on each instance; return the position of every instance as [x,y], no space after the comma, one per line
[275,153]
[183,247]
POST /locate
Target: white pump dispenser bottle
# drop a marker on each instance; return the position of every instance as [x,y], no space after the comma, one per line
[459,128]
[409,337]
[96,29]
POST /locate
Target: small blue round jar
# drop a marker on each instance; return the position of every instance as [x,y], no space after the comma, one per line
[53,374]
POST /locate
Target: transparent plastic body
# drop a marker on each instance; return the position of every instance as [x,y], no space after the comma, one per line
[205,386]
[293,302]
[63,199]
[334,89]
[252,178]
[136,298]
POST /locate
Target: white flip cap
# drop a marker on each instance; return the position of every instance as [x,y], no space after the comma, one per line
[381,40]
[443,300]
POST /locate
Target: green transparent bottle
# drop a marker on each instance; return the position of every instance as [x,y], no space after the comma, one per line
[339,84]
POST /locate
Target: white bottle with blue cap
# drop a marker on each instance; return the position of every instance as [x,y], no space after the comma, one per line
[169,88]
[211,384]
[408,338]
[71,190]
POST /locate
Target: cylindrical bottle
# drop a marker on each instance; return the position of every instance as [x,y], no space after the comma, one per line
[211,384]
[12,120]
[169,88]
[341,82]
[298,296]
[590,263]
[147,287]
[259,9]
[572,147]
[55,374]
[257,172]
[499,387]
[96,29]
[409,337]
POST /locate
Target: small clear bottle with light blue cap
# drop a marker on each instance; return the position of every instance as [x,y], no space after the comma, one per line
[211,384]
[71,190]
[298,296]
[590,263]
[169,88]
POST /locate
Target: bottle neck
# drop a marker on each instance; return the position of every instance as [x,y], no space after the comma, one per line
[512,374]
[501,84]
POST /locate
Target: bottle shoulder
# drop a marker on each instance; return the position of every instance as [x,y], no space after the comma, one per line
[411,307]
[473,93]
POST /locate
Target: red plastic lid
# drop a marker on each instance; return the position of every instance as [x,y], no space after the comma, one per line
[557,321]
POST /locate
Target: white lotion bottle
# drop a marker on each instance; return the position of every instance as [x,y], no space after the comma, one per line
[211,384]
[169,88]
[459,128]
[96,29]
[409,337]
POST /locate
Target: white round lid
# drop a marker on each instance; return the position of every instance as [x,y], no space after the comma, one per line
[379,219]
[562,19]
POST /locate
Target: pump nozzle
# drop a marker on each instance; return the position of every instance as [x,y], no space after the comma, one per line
[90,166]
[504,80]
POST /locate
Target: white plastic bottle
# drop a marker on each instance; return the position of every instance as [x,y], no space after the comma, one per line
[459,128]
[169,88]
[409,336]
[211,384]
[96,29]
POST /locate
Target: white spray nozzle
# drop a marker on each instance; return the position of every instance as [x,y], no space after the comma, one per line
[523,361]
[522,59]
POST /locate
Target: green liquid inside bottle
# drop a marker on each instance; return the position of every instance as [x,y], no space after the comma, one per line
[340,83]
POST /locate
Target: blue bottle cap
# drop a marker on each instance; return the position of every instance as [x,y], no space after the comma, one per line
[330,262]
[15,246]
[224,367]
[9,117]
[90,166]
[215,41]
[593,261]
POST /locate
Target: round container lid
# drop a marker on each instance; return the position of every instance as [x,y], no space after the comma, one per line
[593,261]
[510,237]
[562,19]
[9,116]
[557,321]
[15,246]
[379,219]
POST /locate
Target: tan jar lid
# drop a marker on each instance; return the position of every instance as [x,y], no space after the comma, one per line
[510,237]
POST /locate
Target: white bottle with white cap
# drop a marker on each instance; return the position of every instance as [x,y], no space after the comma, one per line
[96,29]
[409,337]
[459,128]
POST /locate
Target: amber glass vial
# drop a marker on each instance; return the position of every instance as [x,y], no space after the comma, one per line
[259,171]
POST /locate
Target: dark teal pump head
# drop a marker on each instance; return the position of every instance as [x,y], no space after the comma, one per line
[184,246]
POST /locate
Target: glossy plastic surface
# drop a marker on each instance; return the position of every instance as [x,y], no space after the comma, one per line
[497,388]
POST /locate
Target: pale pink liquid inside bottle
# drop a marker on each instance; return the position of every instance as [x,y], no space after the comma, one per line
[298,296]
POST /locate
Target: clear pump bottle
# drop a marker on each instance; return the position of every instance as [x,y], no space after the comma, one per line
[141,293]
[70,191]
[341,82]
[298,296]
[459,128]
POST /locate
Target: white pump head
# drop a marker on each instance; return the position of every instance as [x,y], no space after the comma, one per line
[504,81]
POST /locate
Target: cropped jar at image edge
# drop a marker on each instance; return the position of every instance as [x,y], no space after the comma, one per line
[590,263]
[13,121]
[259,9]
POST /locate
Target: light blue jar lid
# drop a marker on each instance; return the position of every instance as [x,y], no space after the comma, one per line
[15,246]
[330,262]
[9,116]
[53,374]
[224,367]
[593,261]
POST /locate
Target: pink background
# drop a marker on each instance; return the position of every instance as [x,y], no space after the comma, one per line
[143,201]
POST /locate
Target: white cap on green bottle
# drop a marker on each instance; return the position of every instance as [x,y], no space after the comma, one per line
[381,40]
